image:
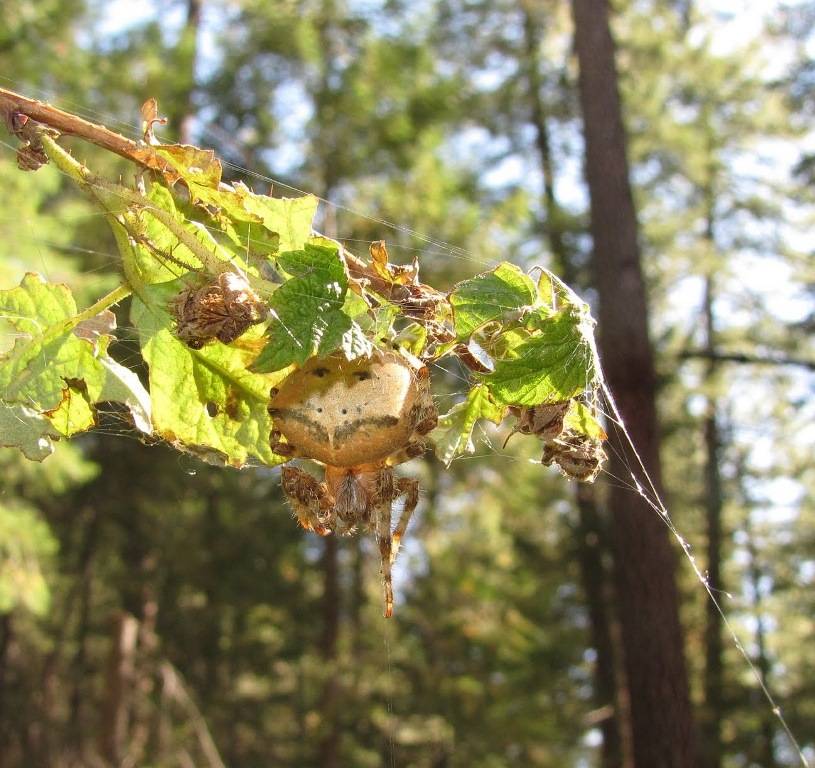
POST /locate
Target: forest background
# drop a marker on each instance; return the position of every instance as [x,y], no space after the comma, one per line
[155,611]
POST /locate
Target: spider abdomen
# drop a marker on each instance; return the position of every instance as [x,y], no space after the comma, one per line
[346,413]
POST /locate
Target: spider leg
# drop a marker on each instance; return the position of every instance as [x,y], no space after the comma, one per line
[383,536]
[427,424]
[310,500]
[278,446]
[410,489]
[412,450]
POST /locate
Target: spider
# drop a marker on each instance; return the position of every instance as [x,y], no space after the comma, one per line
[359,419]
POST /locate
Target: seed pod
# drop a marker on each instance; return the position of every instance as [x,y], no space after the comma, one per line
[223,309]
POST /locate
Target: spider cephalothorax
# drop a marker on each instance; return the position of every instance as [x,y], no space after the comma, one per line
[359,418]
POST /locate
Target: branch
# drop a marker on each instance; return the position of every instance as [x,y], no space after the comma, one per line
[175,689]
[748,359]
[17,110]
[13,103]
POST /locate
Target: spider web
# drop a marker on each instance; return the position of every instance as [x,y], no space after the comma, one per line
[115,422]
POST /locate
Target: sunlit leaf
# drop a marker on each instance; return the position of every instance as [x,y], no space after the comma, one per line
[157,255]
[74,414]
[453,436]
[490,296]
[579,419]
[308,308]
[60,368]
[197,168]
[550,362]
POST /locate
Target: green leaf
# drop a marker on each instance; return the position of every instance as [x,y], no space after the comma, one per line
[23,428]
[549,363]
[579,418]
[413,338]
[57,366]
[171,258]
[289,217]
[355,343]
[48,353]
[287,220]
[319,259]
[453,436]
[205,401]
[490,296]
[308,308]
[355,306]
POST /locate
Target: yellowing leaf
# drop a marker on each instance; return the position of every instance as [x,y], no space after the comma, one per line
[204,401]
[453,436]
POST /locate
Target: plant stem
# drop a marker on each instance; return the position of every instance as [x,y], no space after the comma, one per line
[114,297]
[67,123]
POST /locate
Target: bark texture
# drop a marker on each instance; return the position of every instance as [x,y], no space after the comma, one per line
[714,701]
[661,721]
[591,541]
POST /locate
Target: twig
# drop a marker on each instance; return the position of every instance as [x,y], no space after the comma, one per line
[748,359]
[65,122]
[175,689]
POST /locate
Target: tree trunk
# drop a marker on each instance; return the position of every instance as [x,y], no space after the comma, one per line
[610,694]
[591,539]
[661,722]
[116,712]
[712,722]
[329,756]
[554,227]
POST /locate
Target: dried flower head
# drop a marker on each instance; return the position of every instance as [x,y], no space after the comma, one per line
[578,456]
[223,309]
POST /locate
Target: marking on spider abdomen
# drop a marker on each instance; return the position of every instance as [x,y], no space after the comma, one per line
[345,431]
[283,414]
